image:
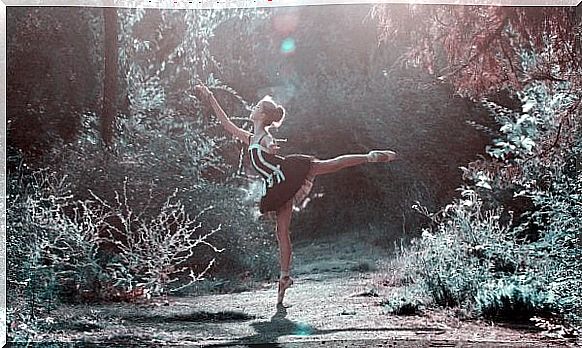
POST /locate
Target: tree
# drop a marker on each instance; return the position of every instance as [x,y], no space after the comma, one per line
[110,76]
[533,56]
[54,46]
[483,49]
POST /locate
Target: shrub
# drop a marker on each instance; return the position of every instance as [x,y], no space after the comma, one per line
[68,254]
[153,253]
[472,258]
[403,303]
[171,154]
[514,299]
[558,253]
[465,248]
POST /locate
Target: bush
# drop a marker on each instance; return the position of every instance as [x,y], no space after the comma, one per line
[153,253]
[514,299]
[558,253]
[403,303]
[96,250]
[173,154]
[466,247]
[472,258]
[83,209]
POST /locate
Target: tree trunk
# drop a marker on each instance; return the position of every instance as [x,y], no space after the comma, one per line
[578,27]
[110,75]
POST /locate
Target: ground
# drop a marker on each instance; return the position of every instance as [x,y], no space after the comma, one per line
[335,302]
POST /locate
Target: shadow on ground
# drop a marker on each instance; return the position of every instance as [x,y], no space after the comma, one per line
[269,332]
[194,317]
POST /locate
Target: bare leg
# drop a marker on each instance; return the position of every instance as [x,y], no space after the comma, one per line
[284,239]
[333,165]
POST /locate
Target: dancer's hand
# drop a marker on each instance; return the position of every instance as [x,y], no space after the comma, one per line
[393,156]
[382,156]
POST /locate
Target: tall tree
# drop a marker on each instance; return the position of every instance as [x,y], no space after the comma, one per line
[110,76]
[483,49]
[53,70]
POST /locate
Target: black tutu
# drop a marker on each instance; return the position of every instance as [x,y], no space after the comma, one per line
[296,186]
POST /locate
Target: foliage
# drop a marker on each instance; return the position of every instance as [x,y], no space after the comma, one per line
[472,259]
[153,253]
[405,302]
[467,247]
[481,49]
[531,143]
[35,284]
[165,52]
[67,235]
[49,44]
[162,154]
[476,254]
[514,298]
[559,249]
[69,256]
[166,153]
[540,172]
[151,150]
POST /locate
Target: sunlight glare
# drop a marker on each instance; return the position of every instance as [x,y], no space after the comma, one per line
[288,46]
[303,329]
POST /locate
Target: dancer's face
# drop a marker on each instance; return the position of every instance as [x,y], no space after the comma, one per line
[257,113]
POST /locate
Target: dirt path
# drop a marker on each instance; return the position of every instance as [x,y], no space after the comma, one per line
[331,308]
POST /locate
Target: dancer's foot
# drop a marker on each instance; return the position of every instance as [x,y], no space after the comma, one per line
[284,283]
[381,156]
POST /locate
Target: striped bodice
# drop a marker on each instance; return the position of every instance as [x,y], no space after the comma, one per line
[267,165]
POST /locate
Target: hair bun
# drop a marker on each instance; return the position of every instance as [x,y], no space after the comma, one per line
[280,112]
[274,113]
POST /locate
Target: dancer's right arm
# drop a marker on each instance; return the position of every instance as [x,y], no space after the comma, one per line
[232,128]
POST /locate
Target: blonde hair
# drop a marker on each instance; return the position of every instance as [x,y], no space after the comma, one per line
[275,113]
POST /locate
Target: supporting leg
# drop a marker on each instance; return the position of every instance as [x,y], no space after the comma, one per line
[335,164]
[284,239]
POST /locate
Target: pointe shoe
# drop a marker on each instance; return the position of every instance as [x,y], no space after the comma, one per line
[284,284]
[381,156]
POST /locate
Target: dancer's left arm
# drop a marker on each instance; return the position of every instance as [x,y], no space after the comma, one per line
[232,128]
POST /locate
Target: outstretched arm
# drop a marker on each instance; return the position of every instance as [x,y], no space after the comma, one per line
[232,128]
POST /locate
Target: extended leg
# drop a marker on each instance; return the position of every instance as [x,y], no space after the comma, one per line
[333,165]
[284,239]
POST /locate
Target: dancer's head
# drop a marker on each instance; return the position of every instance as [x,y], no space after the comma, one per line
[269,113]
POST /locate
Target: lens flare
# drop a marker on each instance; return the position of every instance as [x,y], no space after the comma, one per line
[288,46]
[302,329]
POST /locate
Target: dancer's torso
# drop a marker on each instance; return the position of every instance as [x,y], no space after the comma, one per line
[266,163]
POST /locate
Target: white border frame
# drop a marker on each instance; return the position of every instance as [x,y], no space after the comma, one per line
[198,4]
[171,4]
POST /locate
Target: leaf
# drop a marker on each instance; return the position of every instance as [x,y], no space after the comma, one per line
[524,118]
[528,105]
[507,128]
[484,185]
[527,143]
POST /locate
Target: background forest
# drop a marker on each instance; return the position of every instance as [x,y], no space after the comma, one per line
[121,184]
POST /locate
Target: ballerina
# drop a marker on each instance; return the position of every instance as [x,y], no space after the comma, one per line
[287,180]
